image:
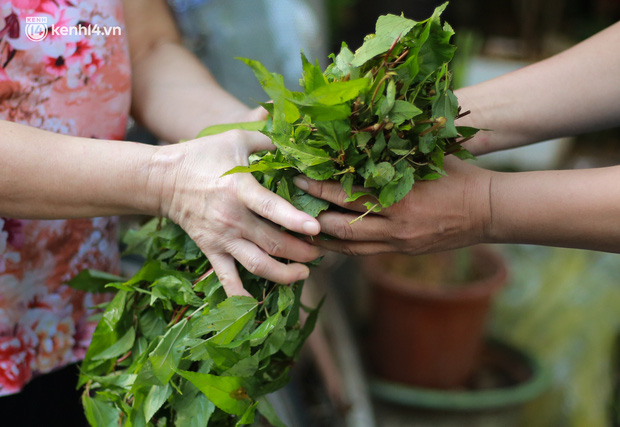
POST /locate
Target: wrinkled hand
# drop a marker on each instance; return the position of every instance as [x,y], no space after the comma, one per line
[448,213]
[222,214]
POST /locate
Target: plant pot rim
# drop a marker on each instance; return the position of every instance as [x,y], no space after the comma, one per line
[468,401]
[411,287]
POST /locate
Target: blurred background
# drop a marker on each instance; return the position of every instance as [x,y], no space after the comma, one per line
[547,354]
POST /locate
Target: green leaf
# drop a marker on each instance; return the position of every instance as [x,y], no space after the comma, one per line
[244,368]
[176,289]
[357,195]
[273,85]
[389,100]
[377,149]
[347,183]
[337,133]
[259,167]
[151,324]
[427,143]
[446,105]
[466,131]
[341,66]
[140,241]
[313,76]
[265,408]
[227,320]
[120,347]
[116,379]
[248,416]
[155,399]
[383,174]
[193,409]
[463,154]
[307,203]
[167,355]
[274,342]
[362,138]
[337,92]
[437,50]
[221,128]
[227,393]
[389,28]
[93,281]
[305,155]
[99,413]
[403,111]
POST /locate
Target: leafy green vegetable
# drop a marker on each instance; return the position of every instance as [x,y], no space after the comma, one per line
[170,347]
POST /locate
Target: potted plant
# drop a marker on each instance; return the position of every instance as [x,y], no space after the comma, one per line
[506,379]
[429,314]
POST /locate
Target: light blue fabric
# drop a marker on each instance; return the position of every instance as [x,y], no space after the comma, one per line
[272,32]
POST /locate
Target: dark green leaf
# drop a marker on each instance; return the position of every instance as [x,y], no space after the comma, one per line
[313,76]
[227,320]
[402,111]
[225,392]
[167,355]
[119,348]
[156,397]
[307,203]
[93,281]
[266,410]
[99,413]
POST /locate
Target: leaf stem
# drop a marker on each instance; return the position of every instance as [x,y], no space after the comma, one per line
[124,357]
[405,156]
[440,122]
[365,213]
[204,276]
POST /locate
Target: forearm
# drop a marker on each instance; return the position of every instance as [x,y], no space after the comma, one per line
[176,96]
[46,175]
[575,208]
[573,92]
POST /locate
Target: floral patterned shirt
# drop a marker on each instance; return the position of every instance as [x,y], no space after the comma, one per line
[75,83]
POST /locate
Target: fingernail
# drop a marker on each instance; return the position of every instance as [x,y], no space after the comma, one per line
[311,228]
[301,183]
[303,275]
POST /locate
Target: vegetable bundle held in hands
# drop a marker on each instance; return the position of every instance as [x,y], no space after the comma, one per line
[382,117]
[171,349]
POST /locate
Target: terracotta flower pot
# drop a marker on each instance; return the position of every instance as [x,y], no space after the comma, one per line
[425,332]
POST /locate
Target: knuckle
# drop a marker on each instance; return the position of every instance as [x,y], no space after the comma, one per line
[256,265]
[268,207]
[234,134]
[225,278]
[275,248]
[344,231]
[346,250]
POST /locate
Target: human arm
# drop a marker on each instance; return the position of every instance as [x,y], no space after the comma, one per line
[45,175]
[571,208]
[174,94]
[573,92]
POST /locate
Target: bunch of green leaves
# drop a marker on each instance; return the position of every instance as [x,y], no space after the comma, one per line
[170,348]
[377,120]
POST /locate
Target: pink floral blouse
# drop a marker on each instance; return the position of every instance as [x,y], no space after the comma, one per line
[74,83]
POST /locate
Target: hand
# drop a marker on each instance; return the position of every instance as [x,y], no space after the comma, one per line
[448,213]
[221,214]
